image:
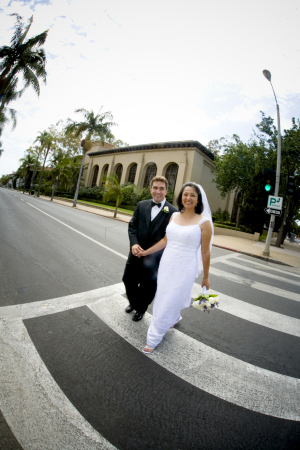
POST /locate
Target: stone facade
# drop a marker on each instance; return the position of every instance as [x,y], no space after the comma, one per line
[179,162]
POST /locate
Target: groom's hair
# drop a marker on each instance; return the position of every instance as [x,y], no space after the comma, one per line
[199,207]
[161,179]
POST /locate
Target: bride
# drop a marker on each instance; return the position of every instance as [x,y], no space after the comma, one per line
[187,241]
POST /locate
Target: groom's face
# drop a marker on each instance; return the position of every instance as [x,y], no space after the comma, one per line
[158,191]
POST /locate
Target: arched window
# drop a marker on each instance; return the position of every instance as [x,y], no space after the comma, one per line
[132,173]
[150,173]
[95,176]
[171,175]
[119,171]
[104,174]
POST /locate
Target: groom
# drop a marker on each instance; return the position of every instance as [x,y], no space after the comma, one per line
[147,227]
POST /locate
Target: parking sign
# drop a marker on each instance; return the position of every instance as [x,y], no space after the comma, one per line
[275,202]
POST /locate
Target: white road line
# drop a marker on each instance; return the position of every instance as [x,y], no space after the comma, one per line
[55,305]
[255,284]
[35,408]
[79,232]
[226,377]
[255,314]
[220,259]
[266,266]
[51,421]
[264,273]
[221,375]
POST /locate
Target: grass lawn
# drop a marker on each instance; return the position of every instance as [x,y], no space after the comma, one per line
[105,206]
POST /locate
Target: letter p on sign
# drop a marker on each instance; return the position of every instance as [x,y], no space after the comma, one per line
[275,202]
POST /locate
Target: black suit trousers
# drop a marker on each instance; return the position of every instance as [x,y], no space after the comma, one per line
[140,280]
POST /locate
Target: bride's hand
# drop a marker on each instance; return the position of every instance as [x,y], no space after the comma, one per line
[141,253]
[206,283]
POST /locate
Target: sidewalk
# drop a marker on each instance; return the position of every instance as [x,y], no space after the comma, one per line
[289,255]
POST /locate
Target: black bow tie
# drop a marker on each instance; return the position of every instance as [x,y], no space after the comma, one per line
[155,204]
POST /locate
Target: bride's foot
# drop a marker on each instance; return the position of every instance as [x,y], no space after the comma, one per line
[148,349]
[176,322]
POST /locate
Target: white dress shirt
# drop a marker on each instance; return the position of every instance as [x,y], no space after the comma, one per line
[155,209]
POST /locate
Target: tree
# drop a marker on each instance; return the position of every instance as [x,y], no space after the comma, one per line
[117,142]
[1,149]
[28,162]
[114,191]
[46,140]
[94,126]
[290,165]
[241,168]
[25,57]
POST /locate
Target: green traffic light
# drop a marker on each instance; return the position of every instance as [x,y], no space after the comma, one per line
[267,187]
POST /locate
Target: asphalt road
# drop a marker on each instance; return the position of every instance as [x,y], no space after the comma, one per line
[73,375]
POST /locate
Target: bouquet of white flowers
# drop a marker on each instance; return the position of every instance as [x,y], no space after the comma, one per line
[205,302]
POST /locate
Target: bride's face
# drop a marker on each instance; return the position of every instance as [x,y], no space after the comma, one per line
[189,198]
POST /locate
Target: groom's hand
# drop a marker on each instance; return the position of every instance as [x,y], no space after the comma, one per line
[136,250]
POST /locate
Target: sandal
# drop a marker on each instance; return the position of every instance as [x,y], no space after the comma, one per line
[148,349]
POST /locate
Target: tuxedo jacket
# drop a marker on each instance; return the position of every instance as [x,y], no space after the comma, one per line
[142,230]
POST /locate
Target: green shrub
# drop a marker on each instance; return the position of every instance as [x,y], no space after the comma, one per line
[221,216]
[94,193]
[129,194]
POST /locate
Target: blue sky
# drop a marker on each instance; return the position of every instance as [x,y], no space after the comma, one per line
[166,69]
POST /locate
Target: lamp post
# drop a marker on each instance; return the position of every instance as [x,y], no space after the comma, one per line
[266,251]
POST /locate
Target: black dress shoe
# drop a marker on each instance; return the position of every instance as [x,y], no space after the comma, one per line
[137,317]
[129,309]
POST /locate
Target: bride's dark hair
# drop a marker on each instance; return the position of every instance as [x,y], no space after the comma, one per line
[199,206]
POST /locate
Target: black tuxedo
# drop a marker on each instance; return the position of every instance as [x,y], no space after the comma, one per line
[141,273]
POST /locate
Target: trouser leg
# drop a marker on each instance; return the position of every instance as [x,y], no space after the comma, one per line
[131,280]
[148,282]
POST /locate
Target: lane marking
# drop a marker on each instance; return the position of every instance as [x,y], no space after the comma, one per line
[267,266]
[259,272]
[35,408]
[253,313]
[220,259]
[226,377]
[79,232]
[255,284]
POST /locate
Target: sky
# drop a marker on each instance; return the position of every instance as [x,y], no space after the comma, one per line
[167,69]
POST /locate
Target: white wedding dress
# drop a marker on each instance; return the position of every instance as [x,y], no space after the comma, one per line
[176,274]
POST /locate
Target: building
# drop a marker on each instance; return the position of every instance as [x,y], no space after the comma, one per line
[179,162]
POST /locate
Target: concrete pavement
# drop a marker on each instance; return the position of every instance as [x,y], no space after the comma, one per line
[288,254]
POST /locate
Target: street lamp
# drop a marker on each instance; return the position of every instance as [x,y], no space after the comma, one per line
[266,251]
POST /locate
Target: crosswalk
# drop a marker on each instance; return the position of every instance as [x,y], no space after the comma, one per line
[31,397]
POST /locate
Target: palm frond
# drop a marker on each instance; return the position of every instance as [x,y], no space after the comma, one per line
[31,79]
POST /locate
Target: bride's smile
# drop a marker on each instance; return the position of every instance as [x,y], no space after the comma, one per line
[189,198]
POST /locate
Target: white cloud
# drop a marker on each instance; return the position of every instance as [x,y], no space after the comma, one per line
[166,69]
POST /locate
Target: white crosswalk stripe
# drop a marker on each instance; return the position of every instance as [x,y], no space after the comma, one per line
[263,266]
[228,378]
[259,272]
[254,284]
[255,314]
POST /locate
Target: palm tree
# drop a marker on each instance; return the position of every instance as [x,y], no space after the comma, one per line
[46,140]
[114,191]
[23,57]
[4,113]
[27,163]
[94,126]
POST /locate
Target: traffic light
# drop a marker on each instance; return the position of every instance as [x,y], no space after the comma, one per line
[269,181]
[290,180]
